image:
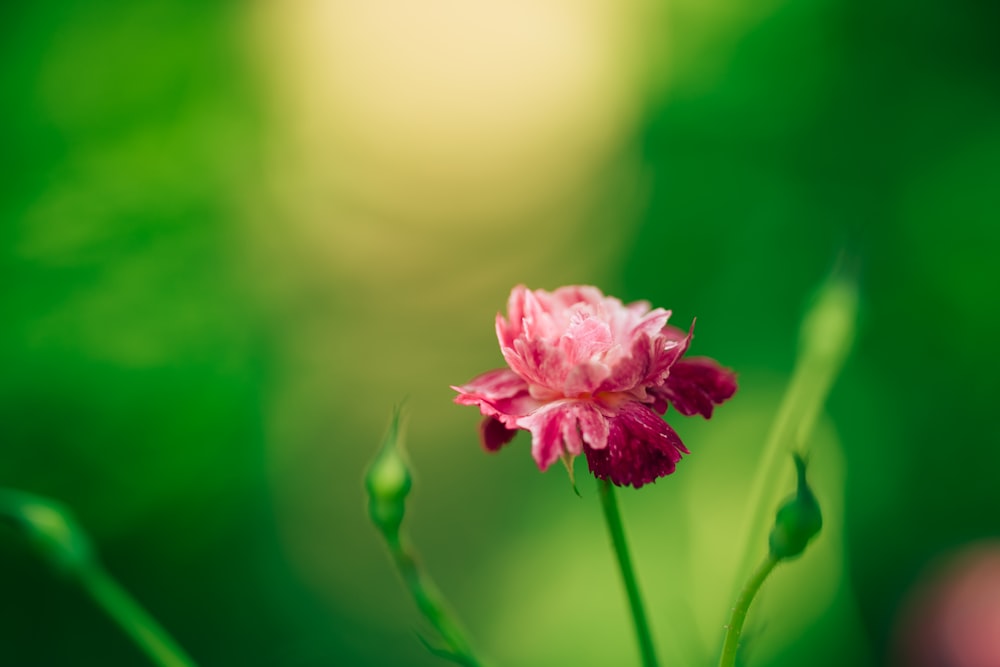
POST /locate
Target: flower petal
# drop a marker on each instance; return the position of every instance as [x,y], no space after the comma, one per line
[494,434]
[588,374]
[538,362]
[696,386]
[641,448]
[630,369]
[648,362]
[500,393]
[669,349]
[564,427]
[585,338]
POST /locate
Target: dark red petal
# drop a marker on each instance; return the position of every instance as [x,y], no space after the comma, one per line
[494,434]
[641,448]
[696,386]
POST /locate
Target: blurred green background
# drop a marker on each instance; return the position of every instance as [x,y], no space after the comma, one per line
[234,235]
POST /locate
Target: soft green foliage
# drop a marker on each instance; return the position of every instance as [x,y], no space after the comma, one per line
[202,386]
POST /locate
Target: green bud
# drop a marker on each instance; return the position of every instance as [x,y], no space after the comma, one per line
[49,527]
[797,521]
[388,481]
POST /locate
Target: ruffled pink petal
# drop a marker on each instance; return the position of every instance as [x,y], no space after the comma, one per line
[584,346]
[564,427]
[632,368]
[670,332]
[695,386]
[647,364]
[495,384]
[519,304]
[501,393]
[651,323]
[641,448]
[669,349]
[585,338]
[571,295]
[515,313]
[538,362]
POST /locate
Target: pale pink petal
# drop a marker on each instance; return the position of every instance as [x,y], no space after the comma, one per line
[632,368]
[593,425]
[546,426]
[666,352]
[647,363]
[495,384]
[562,427]
[537,322]
[501,394]
[583,346]
[585,338]
[508,329]
[571,295]
[538,362]
[651,323]
[584,379]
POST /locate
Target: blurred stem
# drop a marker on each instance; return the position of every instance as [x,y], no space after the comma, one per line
[735,626]
[56,536]
[617,532]
[388,482]
[430,602]
[825,339]
[132,618]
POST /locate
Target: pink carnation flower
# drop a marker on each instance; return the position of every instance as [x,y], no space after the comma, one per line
[590,375]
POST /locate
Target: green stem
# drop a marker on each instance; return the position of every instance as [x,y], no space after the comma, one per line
[388,482]
[132,618]
[826,335]
[430,602]
[617,532]
[735,627]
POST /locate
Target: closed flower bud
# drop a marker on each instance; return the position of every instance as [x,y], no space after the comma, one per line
[49,527]
[388,482]
[797,521]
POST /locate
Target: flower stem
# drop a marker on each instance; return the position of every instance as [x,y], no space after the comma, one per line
[132,618]
[388,482]
[60,540]
[735,627]
[617,533]
[431,604]
[826,336]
